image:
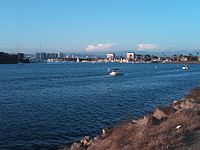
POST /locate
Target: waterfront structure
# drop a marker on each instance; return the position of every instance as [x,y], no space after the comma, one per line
[60,55]
[20,56]
[130,56]
[41,56]
[51,55]
[110,56]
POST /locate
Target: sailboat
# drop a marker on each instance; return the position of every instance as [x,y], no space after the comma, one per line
[77,60]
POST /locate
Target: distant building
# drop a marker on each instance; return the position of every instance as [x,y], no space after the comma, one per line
[51,55]
[184,58]
[60,55]
[110,56]
[67,56]
[130,56]
[20,56]
[198,58]
[40,56]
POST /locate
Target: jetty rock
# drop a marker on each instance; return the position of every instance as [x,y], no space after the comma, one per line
[192,100]
[163,112]
[168,128]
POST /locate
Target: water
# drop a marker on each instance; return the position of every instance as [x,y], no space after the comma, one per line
[43,106]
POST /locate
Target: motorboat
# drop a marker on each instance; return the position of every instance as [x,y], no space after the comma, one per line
[115,72]
[185,67]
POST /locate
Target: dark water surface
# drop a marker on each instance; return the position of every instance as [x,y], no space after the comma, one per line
[43,106]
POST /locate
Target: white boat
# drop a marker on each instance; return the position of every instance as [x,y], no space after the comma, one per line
[185,67]
[115,72]
[77,60]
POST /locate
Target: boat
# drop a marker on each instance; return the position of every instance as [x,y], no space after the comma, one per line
[77,60]
[115,72]
[185,67]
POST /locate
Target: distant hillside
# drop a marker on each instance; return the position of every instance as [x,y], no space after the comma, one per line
[6,58]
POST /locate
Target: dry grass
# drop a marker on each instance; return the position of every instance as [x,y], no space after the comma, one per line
[151,134]
[163,136]
[194,95]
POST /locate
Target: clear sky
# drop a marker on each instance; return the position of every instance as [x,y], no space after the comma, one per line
[98,25]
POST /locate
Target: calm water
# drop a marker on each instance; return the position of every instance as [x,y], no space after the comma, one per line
[46,105]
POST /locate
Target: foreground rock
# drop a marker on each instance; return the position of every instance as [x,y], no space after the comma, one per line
[174,127]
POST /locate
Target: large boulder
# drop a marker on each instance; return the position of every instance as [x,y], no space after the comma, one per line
[163,112]
[153,121]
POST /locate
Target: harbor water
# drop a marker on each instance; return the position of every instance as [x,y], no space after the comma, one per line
[44,106]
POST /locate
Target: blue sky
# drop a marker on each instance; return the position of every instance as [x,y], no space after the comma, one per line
[99,25]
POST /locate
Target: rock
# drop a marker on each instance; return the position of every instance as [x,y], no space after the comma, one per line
[105,132]
[163,112]
[192,100]
[134,121]
[96,138]
[176,101]
[86,141]
[178,127]
[176,105]
[75,146]
[190,104]
[153,121]
[194,96]
[143,121]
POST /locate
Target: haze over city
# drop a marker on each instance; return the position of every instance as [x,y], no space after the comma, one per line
[99,26]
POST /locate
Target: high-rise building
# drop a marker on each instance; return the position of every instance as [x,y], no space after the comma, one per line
[110,56]
[41,56]
[60,55]
[130,56]
[51,55]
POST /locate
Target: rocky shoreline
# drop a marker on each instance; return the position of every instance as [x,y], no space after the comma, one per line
[174,127]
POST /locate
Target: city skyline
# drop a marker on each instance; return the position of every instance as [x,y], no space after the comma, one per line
[99,26]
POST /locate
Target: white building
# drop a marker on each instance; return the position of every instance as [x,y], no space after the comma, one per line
[110,56]
[130,56]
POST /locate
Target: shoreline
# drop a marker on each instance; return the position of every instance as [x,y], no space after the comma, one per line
[176,126]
